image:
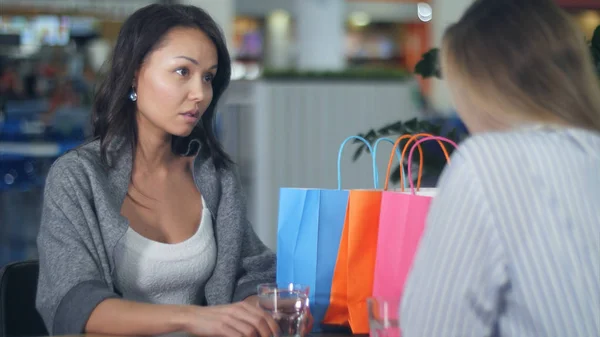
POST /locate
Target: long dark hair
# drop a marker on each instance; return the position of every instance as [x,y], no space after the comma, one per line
[113,114]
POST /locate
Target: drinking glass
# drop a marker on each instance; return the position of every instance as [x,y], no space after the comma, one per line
[383,317]
[287,304]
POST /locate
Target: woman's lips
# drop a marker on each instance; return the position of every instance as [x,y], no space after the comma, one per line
[191,116]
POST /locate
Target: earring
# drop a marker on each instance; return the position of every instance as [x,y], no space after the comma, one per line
[133,95]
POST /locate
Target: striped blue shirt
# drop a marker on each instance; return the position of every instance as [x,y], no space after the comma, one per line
[512,243]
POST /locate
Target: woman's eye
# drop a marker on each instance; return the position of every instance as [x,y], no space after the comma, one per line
[209,77]
[183,71]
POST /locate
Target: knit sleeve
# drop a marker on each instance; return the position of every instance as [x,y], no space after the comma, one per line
[70,284]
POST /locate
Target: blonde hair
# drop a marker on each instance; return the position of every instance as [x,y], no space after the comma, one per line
[523,60]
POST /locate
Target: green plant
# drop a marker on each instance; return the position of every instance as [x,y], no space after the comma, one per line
[595,49]
[433,160]
[429,65]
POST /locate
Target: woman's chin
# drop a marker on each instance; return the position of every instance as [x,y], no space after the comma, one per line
[182,132]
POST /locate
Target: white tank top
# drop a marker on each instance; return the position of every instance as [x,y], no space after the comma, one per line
[154,272]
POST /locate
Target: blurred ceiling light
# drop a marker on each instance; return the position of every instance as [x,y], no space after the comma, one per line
[238,71]
[26,50]
[589,19]
[360,19]
[279,19]
[252,72]
[424,11]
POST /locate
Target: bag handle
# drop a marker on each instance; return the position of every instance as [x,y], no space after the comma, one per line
[406,147]
[339,161]
[412,149]
[389,168]
[402,174]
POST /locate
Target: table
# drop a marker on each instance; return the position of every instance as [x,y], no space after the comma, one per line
[185,335]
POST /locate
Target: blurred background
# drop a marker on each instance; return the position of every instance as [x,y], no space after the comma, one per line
[306,75]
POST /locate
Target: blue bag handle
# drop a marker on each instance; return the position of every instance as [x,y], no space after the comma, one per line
[397,154]
[339,162]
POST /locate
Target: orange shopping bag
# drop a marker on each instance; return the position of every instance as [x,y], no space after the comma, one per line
[353,276]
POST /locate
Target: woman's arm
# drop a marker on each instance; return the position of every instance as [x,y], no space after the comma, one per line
[70,282]
[258,266]
[126,318]
[257,262]
[121,317]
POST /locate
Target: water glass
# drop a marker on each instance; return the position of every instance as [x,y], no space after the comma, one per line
[383,317]
[287,304]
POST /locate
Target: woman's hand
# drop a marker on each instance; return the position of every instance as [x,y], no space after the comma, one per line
[237,319]
[309,320]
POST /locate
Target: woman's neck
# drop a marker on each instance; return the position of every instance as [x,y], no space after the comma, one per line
[153,148]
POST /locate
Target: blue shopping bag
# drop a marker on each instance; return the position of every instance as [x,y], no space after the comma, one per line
[310,224]
[309,231]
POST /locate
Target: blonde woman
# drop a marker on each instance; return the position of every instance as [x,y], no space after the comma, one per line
[512,245]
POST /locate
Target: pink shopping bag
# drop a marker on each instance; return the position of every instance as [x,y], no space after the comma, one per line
[401,223]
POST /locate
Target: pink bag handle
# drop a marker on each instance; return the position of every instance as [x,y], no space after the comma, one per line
[443,139]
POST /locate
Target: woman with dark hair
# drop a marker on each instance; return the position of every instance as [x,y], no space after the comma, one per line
[144,229]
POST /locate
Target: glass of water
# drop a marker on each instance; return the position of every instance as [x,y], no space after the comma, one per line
[288,305]
[383,317]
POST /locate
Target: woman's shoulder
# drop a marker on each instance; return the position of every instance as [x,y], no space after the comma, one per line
[86,154]
[219,183]
[541,141]
[498,141]
[82,165]
[516,157]
[226,174]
